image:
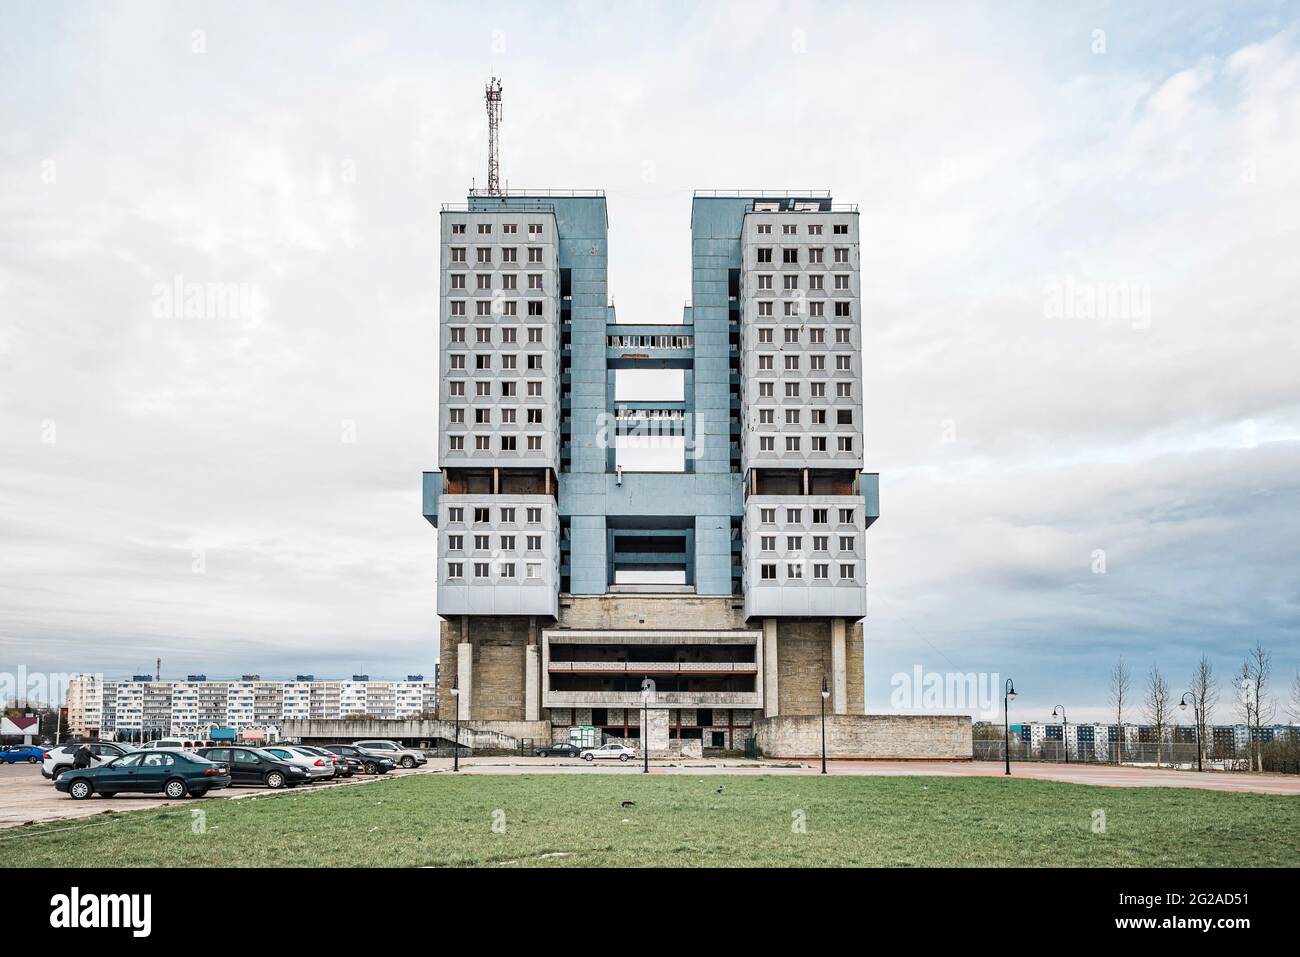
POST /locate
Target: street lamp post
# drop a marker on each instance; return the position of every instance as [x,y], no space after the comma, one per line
[645,727]
[1196,716]
[826,693]
[1065,730]
[455,703]
[1008,695]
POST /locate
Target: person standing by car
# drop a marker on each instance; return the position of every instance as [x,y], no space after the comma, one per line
[81,759]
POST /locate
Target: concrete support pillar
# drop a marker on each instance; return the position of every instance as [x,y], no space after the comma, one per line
[532,683]
[839,668]
[771,699]
[656,731]
[464,677]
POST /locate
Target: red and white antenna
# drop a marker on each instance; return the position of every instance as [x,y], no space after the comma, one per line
[493,98]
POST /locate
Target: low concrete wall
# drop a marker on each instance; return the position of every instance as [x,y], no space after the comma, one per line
[538,732]
[476,735]
[882,736]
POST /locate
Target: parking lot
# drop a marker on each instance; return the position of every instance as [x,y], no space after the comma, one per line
[28,798]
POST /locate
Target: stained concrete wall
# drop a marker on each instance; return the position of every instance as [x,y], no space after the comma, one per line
[477,735]
[652,611]
[804,656]
[943,737]
[498,672]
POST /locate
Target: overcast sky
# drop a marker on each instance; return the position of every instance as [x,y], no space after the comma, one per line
[1080,288]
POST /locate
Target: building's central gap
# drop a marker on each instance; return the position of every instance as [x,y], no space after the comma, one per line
[650,439]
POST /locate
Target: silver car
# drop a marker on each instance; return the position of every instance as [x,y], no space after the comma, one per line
[317,768]
[608,752]
[404,757]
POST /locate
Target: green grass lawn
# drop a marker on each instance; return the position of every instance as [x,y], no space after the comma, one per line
[576,820]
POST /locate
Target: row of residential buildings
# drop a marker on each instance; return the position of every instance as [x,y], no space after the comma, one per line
[1085,741]
[142,707]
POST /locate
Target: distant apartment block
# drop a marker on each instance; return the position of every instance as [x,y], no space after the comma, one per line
[142,708]
[1097,741]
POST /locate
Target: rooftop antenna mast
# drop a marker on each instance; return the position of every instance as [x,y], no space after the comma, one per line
[493,99]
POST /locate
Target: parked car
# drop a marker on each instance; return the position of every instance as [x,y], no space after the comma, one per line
[353,761]
[57,760]
[608,752]
[369,762]
[26,753]
[255,766]
[317,768]
[561,749]
[174,744]
[403,757]
[173,773]
[342,769]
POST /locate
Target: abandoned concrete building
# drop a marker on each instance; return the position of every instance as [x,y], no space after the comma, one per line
[730,571]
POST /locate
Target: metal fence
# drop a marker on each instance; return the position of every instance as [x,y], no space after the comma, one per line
[1277,758]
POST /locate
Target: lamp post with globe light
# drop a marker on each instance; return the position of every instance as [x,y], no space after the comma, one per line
[1065,730]
[455,703]
[1196,716]
[1008,695]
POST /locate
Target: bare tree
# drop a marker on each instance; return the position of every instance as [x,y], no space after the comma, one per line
[1157,706]
[1205,692]
[1120,681]
[1254,676]
[1246,707]
[1295,698]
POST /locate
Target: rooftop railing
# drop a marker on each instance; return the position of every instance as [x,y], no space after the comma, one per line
[467,208]
[571,193]
[767,193]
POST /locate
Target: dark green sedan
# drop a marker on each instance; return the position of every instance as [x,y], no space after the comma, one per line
[173,773]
